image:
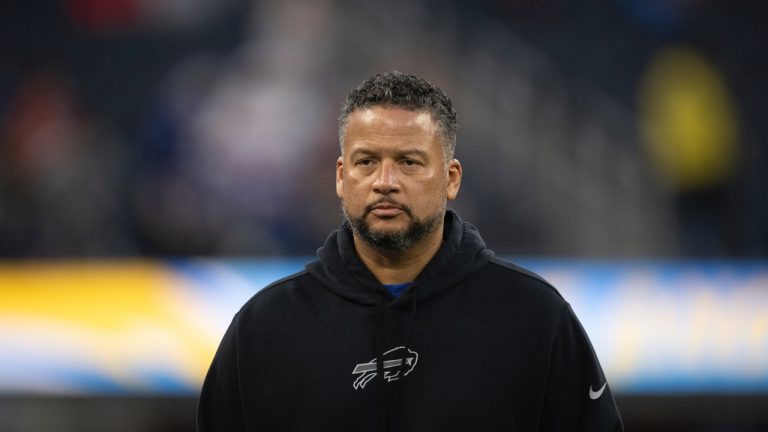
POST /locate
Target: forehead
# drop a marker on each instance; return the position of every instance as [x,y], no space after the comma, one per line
[391,125]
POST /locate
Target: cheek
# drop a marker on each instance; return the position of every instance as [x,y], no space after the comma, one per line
[431,196]
[351,195]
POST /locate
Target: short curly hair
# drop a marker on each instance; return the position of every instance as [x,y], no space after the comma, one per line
[400,90]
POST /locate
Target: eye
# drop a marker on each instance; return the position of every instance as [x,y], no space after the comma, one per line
[410,162]
[364,162]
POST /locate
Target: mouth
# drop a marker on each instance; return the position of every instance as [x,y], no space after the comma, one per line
[386,209]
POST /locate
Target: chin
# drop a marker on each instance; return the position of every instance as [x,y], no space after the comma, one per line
[387,226]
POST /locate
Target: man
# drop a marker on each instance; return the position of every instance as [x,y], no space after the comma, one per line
[406,322]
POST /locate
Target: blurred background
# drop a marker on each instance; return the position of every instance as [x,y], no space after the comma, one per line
[161,161]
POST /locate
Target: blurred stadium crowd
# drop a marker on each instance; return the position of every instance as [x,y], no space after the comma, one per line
[208,127]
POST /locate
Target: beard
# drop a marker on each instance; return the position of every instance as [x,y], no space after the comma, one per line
[394,241]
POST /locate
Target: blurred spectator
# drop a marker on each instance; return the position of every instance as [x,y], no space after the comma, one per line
[693,137]
[62,171]
[238,139]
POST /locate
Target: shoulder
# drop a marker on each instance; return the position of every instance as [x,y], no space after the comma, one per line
[507,297]
[523,283]
[515,271]
[280,293]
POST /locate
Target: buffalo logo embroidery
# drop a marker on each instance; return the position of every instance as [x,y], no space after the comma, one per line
[392,360]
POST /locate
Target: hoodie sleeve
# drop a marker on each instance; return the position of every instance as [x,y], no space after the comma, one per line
[578,396]
[220,407]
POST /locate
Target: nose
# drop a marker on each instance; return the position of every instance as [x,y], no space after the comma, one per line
[386,181]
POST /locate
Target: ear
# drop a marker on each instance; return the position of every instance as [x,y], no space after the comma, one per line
[340,177]
[454,178]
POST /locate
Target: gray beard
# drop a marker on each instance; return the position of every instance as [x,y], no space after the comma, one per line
[394,241]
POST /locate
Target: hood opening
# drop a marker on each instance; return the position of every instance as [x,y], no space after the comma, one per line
[340,270]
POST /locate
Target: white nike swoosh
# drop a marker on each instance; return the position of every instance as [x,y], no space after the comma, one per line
[596,394]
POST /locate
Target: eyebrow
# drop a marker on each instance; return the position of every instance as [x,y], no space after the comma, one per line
[397,153]
[417,152]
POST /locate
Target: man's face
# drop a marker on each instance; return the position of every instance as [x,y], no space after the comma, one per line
[393,179]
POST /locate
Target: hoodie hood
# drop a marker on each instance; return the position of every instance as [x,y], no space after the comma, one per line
[339,268]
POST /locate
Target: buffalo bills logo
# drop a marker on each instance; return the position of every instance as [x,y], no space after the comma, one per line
[392,362]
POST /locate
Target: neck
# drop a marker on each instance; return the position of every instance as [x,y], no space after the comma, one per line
[399,267]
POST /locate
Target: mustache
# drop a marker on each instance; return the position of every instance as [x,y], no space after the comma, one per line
[369,208]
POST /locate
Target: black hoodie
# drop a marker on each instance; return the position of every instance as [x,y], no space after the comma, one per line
[474,344]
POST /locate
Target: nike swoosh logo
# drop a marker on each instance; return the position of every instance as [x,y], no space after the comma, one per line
[596,394]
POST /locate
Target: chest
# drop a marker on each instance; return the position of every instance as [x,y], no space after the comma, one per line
[473,370]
